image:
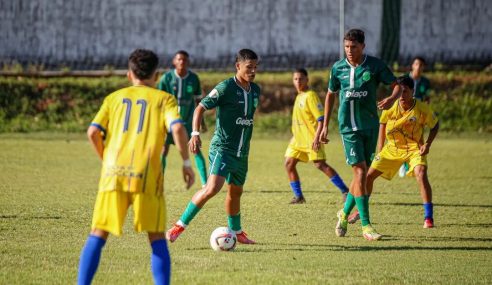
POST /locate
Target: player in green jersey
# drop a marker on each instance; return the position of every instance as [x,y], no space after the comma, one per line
[356,79]
[185,86]
[235,100]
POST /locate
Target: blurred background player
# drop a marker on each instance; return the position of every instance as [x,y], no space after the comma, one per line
[185,86]
[356,78]
[307,118]
[235,100]
[134,122]
[403,126]
[421,92]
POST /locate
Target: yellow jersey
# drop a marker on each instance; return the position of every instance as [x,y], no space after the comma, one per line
[404,129]
[135,122]
[308,111]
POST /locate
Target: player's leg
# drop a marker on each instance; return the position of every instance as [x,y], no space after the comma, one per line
[160,260]
[372,174]
[294,180]
[333,175]
[420,172]
[201,167]
[90,256]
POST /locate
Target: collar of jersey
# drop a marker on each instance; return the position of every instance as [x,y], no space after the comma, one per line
[365,57]
[176,73]
[235,80]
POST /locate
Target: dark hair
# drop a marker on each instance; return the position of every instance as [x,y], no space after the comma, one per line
[182,52]
[143,63]
[301,70]
[246,54]
[355,35]
[419,58]
[406,81]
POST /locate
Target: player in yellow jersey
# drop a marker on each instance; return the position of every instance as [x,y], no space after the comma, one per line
[402,126]
[128,133]
[306,117]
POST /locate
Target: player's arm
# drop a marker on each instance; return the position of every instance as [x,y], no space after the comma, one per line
[387,102]
[424,149]
[322,133]
[181,138]
[96,140]
[381,137]
[316,142]
[195,142]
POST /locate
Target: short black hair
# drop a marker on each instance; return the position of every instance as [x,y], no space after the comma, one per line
[419,58]
[246,54]
[182,52]
[355,35]
[406,81]
[301,70]
[143,63]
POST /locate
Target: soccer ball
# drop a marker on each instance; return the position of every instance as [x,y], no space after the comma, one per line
[223,239]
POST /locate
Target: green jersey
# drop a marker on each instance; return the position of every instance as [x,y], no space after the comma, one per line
[357,86]
[235,108]
[186,90]
[421,87]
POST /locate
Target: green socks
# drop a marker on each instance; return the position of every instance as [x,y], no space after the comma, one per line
[202,167]
[349,204]
[234,222]
[363,206]
[189,213]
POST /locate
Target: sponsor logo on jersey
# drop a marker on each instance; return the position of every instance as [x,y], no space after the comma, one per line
[244,122]
[213,94]
[355,94]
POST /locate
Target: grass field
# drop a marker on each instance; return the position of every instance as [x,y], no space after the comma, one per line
[48,185]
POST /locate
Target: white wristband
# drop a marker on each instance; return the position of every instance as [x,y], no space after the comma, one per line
[195,133]
[187,163]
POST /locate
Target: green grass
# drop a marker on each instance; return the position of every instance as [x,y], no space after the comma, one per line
[48,185]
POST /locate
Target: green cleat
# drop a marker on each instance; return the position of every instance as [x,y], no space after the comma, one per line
[370,233]
[341,227]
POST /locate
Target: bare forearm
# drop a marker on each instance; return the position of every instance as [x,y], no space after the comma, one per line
[96,140]
[432,134]
[329,101]
[198,117]
[181,138]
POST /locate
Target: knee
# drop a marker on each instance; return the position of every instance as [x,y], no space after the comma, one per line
[360,173]
[289,164]
[211,191]
[320,165]
[235,192]
[420,173]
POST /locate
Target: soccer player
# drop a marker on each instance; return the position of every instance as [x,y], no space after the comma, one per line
[420,92]
[185,86]
[356,78]
[306,117]
[128,133]
[235,100]
[403,126]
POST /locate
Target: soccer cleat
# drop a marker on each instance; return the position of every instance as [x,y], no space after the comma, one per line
[173,233]
[341,227]
[428,223]
[354,217]
[243,238]
[370,233]
[298,200]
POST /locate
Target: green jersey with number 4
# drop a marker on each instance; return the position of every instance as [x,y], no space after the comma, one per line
[357,86]
[235,108]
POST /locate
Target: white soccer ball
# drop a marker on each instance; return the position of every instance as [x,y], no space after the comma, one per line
[223,239]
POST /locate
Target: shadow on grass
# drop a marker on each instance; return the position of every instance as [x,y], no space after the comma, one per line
[435,205]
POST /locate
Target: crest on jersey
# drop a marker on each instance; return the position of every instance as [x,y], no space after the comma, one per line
[255,102]
[412,119]
[366,76]
[213,94]
[189,88]
[320,107]
[422,88]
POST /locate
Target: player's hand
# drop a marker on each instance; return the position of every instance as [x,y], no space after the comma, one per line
[188,176]
[316,144]
[195,144]
[424,149]
[323,137]
[386,103]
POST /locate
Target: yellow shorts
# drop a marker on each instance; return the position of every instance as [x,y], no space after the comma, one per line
[111,207]
[305,156]
[389,162]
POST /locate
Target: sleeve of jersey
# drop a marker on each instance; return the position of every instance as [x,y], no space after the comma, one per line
[212,99]
[333,83]
[198,92]
[315,106]
[384,117]
[171,113]
[102,117]
[386,76]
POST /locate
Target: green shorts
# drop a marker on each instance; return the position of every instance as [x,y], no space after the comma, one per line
[170,139]
[227,165]
[359,146]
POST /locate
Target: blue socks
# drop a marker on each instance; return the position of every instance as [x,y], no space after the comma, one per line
[428,211]
[89,259]
[296,188]
[337,181]
[160,262]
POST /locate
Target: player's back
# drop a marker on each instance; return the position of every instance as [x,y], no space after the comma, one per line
[136,121]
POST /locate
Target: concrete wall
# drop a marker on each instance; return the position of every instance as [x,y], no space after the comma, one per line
[286,33]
